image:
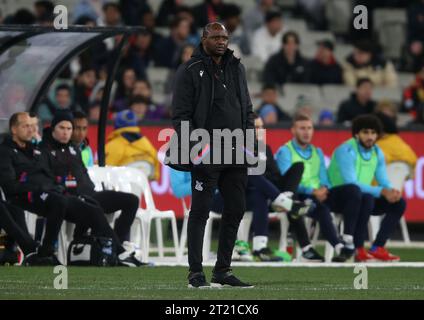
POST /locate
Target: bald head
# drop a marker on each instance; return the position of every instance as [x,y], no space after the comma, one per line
[213,26]
[215,39]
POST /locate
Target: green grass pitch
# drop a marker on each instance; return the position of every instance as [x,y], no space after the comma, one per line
[170,283]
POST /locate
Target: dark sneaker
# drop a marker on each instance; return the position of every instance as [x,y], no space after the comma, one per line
[128,259]
[301,208]
[35,259]
[197,280]
[311,255]
[266,255]
[227,279]
[345,255]
[11,257]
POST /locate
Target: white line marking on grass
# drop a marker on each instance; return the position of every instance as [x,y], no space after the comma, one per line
[302,264]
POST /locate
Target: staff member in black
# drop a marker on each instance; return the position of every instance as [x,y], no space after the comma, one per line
[70,171]
[211,93]
[28,182]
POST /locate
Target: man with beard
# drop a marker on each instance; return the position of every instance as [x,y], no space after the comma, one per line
[360,161]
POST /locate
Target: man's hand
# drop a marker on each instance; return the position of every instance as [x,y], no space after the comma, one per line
[320,194]
[391,195]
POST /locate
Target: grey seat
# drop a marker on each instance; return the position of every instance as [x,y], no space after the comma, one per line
[333,95]
[339,14]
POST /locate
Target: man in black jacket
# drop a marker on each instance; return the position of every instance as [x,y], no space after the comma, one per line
[28,182]
[288,65]
[69,169]
[211,93]
[359,103]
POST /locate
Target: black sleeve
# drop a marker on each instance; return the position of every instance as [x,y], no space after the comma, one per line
[183,98]
[269,75]
[342,114]
[272,172]
[8,179]
[249,107]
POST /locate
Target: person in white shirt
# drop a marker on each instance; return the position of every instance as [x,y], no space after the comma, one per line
[267,39]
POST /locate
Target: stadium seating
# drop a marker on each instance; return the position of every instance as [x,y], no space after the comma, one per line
[339,15]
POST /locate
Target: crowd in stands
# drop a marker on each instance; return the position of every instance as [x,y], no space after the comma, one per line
[260,30]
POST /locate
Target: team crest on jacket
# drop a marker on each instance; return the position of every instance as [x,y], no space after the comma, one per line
[199,186]
[201,73]
[53,153]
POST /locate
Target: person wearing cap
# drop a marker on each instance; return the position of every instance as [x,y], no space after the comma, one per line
[267,40]
[324,68]
[70,172]
[364,63]
[287,65]
[126,145]
[326,118]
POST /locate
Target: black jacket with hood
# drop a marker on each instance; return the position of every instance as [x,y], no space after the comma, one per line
[67,162]
[194,95]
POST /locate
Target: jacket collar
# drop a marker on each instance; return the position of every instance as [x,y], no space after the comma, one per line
[228,57]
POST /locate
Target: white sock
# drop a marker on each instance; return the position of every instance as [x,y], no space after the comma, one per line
[304,249]
[348,240]
[259,242]
[338,248]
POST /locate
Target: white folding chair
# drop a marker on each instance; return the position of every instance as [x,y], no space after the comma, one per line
[397,172]
[139,185]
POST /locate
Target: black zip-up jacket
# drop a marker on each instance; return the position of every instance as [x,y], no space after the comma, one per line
[24,171]
[194,94]
[67,162]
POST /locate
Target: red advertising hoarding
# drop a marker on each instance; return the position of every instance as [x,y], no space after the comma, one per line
[328,140]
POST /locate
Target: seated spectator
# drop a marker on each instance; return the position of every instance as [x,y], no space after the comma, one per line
[112,16]
[239,42]
[360,102]
[206,12]
[43,9]
[390,142]
[138,106]
[364,63]
[185,12]
[254,18]
[167,12]
[167,48]
[266,41]
[326,118]
[270,97]
[84,84]
[149,22]
[184,55]
[140,54]
[155,111]
[288,65]
[80,139]
[415,33]
[268,114]
[132,10]
[125,87]
[324,68]
[413,96]
[94,111]
[126,146]
[62,101]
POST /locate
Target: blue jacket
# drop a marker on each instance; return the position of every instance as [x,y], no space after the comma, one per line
[284,162]
[345,156]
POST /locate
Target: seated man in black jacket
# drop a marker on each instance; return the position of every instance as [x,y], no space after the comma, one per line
[28,182]
[12,221]
[68,168]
